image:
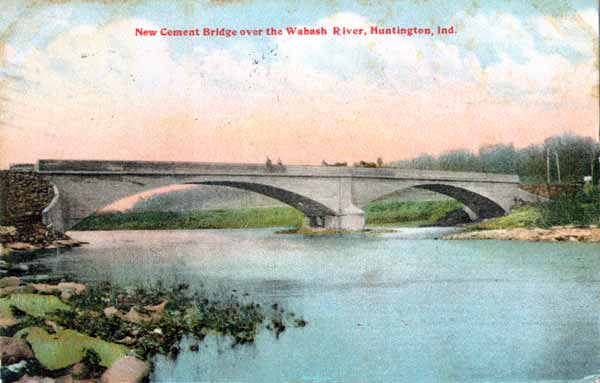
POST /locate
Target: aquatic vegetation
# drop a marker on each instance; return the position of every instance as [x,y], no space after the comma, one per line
[67,347]
[99,324]
[164,316]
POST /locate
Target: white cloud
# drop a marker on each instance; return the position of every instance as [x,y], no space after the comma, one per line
[106,84]
[578,32]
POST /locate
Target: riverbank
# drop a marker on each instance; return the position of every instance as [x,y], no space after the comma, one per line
[12,241]
[410,214]
[533,223]
[197,219]
[553,234]
[68,331]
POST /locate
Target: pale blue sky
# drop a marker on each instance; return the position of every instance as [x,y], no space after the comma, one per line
[47,20]
[516,71]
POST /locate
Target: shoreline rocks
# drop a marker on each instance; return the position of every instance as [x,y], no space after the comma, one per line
[126,370]
[97,326]
[553,234]
[29,247]
[13,350]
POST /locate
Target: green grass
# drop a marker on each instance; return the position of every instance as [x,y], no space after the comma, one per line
[522,217]
[413,213]
[580,209]
[199,219]
[379,213]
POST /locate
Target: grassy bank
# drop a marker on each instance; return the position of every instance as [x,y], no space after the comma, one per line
[410,213]
[380,213]
[522,217]
[198,219]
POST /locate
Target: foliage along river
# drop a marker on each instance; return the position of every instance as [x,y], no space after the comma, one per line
[399,307]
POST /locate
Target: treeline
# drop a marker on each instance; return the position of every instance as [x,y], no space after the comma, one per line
[565,158]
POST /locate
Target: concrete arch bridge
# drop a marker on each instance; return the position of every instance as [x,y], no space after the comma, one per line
[330,197]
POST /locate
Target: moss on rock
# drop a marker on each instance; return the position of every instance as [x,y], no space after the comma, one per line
[31,304]
[67,347]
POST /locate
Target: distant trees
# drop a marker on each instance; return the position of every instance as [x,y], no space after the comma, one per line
[573,156]
[457,160]
[501,158]
[569,155]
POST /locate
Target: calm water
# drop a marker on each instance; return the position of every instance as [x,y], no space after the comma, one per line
[399,307]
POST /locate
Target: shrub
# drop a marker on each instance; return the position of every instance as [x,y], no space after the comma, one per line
[582,209]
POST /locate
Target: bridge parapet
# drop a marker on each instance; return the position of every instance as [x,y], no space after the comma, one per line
[433,175]
[209,168]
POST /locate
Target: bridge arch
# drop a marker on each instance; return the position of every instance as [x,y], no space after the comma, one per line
[307,206]
[314,211]
[477,205]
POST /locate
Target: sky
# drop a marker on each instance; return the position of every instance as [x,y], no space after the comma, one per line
[76,83]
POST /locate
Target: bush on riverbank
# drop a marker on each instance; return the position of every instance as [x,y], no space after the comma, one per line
[581,209]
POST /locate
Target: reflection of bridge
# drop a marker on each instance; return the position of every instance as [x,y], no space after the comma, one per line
[330,197]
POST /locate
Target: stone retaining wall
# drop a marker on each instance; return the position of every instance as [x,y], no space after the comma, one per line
[23,197]
[3,197]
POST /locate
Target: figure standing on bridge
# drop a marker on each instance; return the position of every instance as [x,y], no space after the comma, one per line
[279,163]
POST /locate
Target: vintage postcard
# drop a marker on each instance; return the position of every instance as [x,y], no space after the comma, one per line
[299,191]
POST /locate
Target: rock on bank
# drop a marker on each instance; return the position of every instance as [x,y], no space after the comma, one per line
[553,234]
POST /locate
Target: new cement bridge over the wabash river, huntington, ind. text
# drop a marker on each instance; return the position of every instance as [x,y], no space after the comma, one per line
[330,197]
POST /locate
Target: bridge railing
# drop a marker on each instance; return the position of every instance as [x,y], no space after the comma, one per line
[232,169]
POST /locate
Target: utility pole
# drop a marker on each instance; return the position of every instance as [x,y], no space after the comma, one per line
[592,167]
[548,165]
[557,165]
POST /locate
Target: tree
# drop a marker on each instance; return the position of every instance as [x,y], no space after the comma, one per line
[499,158]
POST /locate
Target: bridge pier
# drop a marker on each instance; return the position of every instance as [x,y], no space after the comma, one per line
[352,219]
[346,222]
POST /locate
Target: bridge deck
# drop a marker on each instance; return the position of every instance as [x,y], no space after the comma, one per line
[91,167]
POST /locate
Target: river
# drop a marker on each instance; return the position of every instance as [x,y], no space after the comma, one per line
[395,307]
